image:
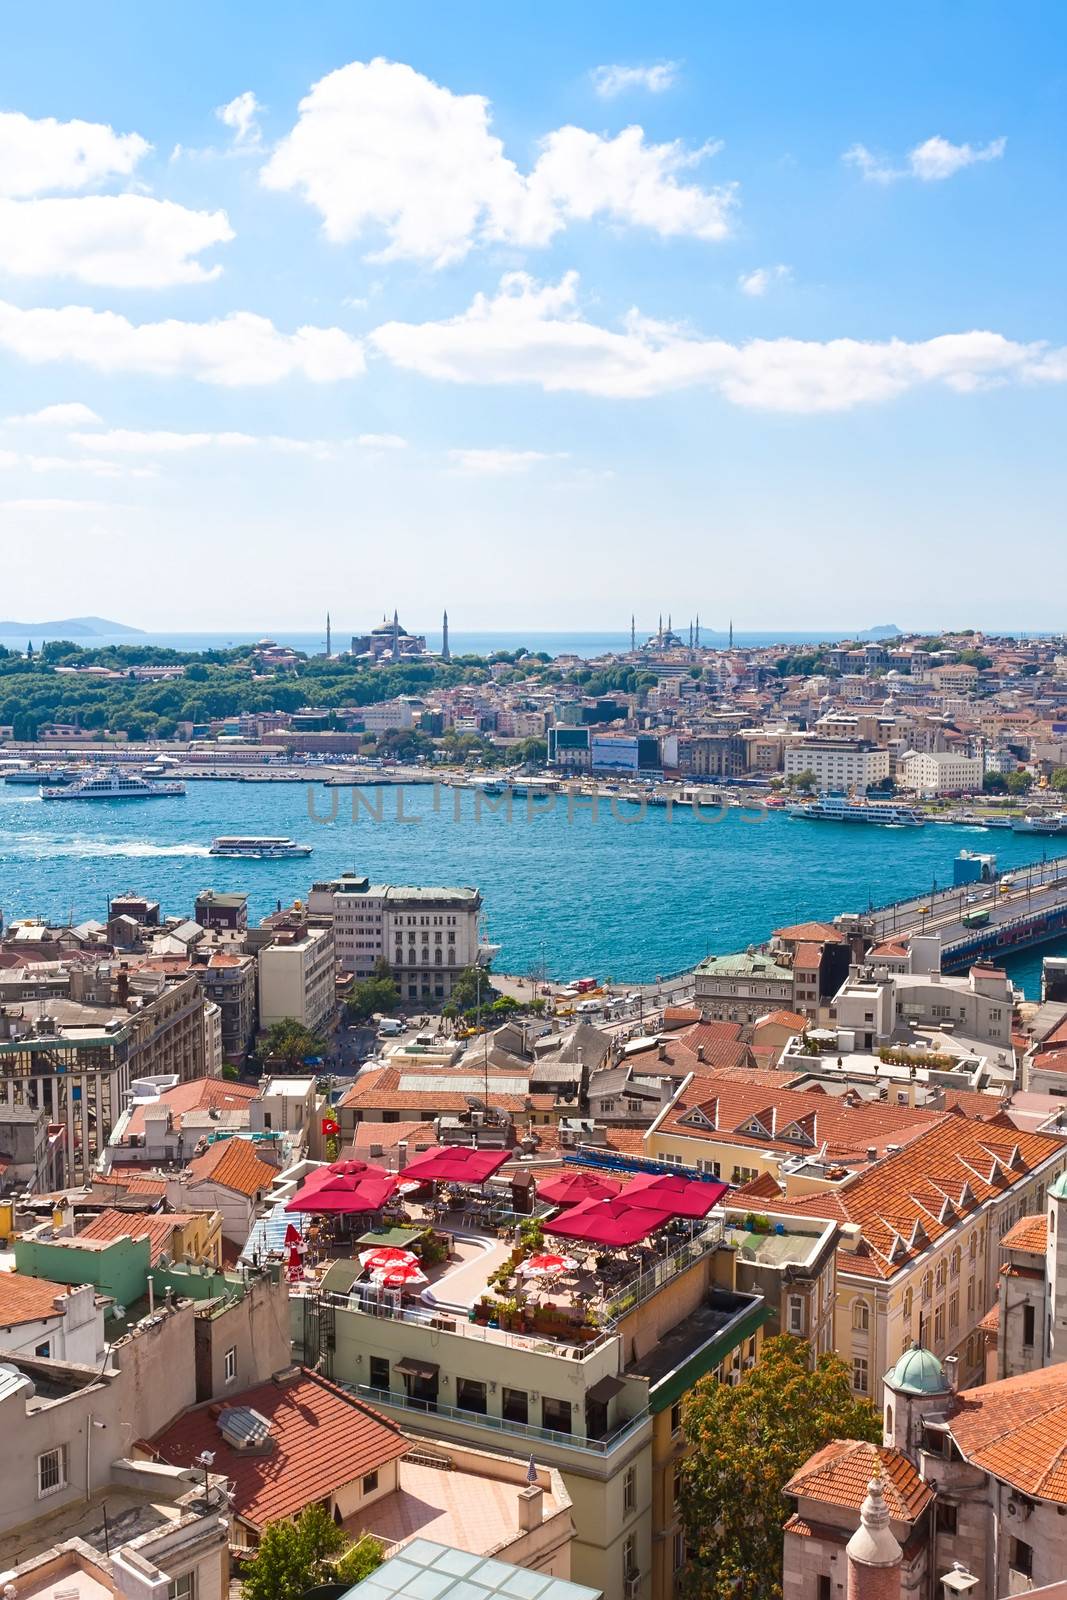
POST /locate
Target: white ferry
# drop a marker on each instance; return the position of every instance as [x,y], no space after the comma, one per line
[112,784]
[1055,822]
[256,849]
[835,808]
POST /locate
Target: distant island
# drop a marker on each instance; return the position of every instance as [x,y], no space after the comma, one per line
[71,628]
[885,630]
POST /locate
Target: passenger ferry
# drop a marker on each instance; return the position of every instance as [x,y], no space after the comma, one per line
[112,784]
[256,849]
[1054,822]
[835,808]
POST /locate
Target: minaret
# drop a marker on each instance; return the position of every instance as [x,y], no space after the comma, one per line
[873,1554]
[446,654]
[633,634]
[731,633]
[659,635]
[396,635]
[698,630]
[690,636]
[328,650]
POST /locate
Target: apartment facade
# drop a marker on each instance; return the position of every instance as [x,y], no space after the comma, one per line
[837,765]
[741,988]
[426,935]
[938,772]
[297,978]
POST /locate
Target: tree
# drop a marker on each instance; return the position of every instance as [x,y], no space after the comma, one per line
[1018,782]
[378,993]
[802,780]
[1058,781]
[289,1041]
[747,1441]
[293,1557]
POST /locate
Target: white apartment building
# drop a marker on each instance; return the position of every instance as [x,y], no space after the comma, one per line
[837,765]
[296,977]
[390,714]
[938,772]
[427,936]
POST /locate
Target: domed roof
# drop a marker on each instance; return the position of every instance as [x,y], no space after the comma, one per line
[918,1372]
[1058,1190]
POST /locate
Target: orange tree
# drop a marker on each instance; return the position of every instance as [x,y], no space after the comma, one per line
[746,1443]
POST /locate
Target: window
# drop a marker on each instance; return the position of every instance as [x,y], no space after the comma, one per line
[939,1281]
[470,1395]
[947,1517]
[42,1349]
[370,1482]
[861,1316]
[825,1586]
[51,1471]
[679,1551]
[515,1405]
[795,1319]
[629,1491]
[1028,1325]
[939,1323]
[183,1588]
[928,1286]
[859,1375]
[629,1557]
[379,1373]
[229,1364]
[1022,1558]
[889,1422]
[676,1417]
[954,1309]
[908,1301]
[555,1414]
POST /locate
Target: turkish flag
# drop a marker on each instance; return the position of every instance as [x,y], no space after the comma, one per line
[330,1127]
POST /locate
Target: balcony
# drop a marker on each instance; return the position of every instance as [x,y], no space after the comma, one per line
[481,1419]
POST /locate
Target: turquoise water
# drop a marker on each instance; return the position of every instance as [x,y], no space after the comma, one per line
[627,899]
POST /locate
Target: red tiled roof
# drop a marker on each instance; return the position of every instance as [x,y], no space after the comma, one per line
[133,1183]
[810,933]
[25,1299]
[1016,1430]
[912,1199]
[839,1473]
[808,958]
[322,1439]
[233,1164]
[1029,1234]
[158,1229]
[782,1019]
[380,1091]
[199,1094]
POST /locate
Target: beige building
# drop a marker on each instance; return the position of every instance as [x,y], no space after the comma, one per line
[427,935]
[296,978]
[838,765]
[940,772]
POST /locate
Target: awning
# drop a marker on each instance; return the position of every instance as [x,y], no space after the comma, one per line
[415,1367]
[606,1389]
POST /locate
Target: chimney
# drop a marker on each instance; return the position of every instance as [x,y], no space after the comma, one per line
[700,1052]
[663,1052]
[531,1501]
[952,1372]
[401,1155]
[873,1554]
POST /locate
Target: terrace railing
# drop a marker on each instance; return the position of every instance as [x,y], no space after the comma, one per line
[485,1419]
[645,1284]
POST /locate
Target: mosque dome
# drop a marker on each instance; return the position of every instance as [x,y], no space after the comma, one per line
[918,1372]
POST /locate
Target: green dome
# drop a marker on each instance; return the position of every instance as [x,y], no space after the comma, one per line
[918,1372]
[1059,1188]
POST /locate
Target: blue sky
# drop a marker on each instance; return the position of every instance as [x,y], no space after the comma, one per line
[728,309]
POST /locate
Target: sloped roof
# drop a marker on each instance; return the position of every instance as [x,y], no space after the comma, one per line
[233,1164]
[839,1473]
[1029,1234]
[322,1438]
[1016,1430]
[157,1228]
[25,1299]
[199,1094]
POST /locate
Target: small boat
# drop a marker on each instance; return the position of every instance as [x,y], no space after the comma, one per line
[834,808]
[258,849]
[112,784]
[1052,822]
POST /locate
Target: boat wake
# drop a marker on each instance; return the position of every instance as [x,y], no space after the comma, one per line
[34,847]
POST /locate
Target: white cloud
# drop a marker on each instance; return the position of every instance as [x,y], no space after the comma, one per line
[378,146]
[162,441]
[931,162]
[127,240]
[238,349]
[381,441]
[499,462]
[534,334]
[55,505]
[240,114]
[608,81]
[87,464]
[8,458]
[67,414]
[39,155]
[757,282]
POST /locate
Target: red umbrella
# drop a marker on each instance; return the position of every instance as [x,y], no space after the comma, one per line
[385,1257]
[683,1197]
[344,1195]
[456,1164]
[572,1187]
[609,1222]
[546,1265]
[401,1276]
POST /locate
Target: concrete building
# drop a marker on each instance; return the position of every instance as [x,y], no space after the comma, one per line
[938,772]
[38,1318]
[31,1151]
[837,765]
[1031,1310]
[604,1411]
[742,988]
[78,1061]
[228,979]
[426,935]
[296,977]
[872,1012]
